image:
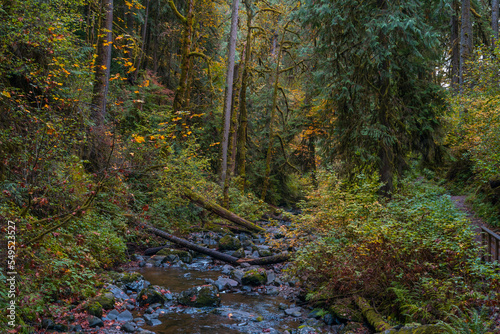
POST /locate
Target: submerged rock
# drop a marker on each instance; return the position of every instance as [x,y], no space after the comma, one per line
[174,255]
[200,296]
[254,277]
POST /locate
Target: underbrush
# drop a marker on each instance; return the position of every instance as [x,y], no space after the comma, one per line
[414,255]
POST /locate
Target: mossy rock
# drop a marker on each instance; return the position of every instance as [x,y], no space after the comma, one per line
[131,277]
[229,243]
[345,310]
[151,295]
[254,277]
[201,296]
[184,256]
[94,308]
[240,253]
[107,301]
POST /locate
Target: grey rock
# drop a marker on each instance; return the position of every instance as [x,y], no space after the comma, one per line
[95,321]
[138,257]
[293,311]
[271,276]
[129,327]
[329,319]
[125,316]
[272,291]
[238,274]
[200,296]
[130,307]
[140,321]
[61,328]
[117,292]
[223,283]
[307,330]
[112,315]
[226,269]
[153,322]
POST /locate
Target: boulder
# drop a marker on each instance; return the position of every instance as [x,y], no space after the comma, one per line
[107,300]
[254,277]
[150,295]
[129,327]
[95,321]
[223,283]
[200,296]
[229,243]
[94,308]
[125,316]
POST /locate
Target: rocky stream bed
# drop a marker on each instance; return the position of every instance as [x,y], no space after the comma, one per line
[178,291]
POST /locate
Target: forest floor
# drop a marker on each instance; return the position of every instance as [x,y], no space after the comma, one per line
[460,203]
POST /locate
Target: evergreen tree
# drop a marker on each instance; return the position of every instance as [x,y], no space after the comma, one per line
[377,66]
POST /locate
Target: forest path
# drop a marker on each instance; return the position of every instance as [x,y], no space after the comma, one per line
[460,203]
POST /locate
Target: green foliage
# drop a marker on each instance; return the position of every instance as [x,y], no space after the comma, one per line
[414,255]
[468,322]
[375,82]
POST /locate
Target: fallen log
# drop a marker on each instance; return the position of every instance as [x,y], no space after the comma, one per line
[195,247]
[220,211]
[154,250]
[278,258]
[373,318]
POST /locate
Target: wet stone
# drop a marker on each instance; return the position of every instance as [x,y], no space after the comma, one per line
[152,294]
[125,316]
[117,292]
[223,283]
[130,307]
[140,321]
[153,322]
[112,315]
[200,296]
[329,319]
[95,321]
[307,330]
[293,311]
[226,270]
[272,291]
[129,327]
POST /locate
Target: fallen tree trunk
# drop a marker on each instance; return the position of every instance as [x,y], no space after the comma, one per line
[153,251]
[220,211]
[373,318]
[278,258]
[195,247]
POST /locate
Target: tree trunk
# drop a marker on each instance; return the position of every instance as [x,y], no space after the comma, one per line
[455,48]
[373,318]
[278,258]
[102,65]
[220,211]
[144,30]
[188,21]
[229,94]
[465,41]
[195,247]
[271,121]
[494,21]
[242,129]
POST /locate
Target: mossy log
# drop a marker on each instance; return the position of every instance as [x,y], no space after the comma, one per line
[373,318]
[195,247]
[220,211]
[278,258]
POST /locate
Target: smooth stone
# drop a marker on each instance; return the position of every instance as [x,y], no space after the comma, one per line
[125,316]
[153,322]
[112,315]
[129,327]
[95,321]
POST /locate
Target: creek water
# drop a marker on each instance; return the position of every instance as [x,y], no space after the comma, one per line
[238,313]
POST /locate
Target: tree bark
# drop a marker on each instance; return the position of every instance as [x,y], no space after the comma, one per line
[229,94]
[188,21]
[494,21]
[102,65]
[278,258]
[465,41]
[243,122]
[373,318]
[455,48]
[220,211]
[144,31]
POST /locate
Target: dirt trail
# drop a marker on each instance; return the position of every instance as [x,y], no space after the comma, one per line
[476,221]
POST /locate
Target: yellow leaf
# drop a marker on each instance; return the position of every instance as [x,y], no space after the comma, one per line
[137,92]
[140,139]
[6,94]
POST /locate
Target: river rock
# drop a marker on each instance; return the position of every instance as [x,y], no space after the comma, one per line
[112,315]
[150,295]
[174,255]
[293,311]
[200,296]
[94,308]
[223,283]
[140,321]
[117,292]
[254,277]
[129,327]
[107,300]
[237,275]
[329,319]
[272,291]
[271,276]
[306,330]
[226,269]
[229,243]
[95,321]
[240,253]
[125,316]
